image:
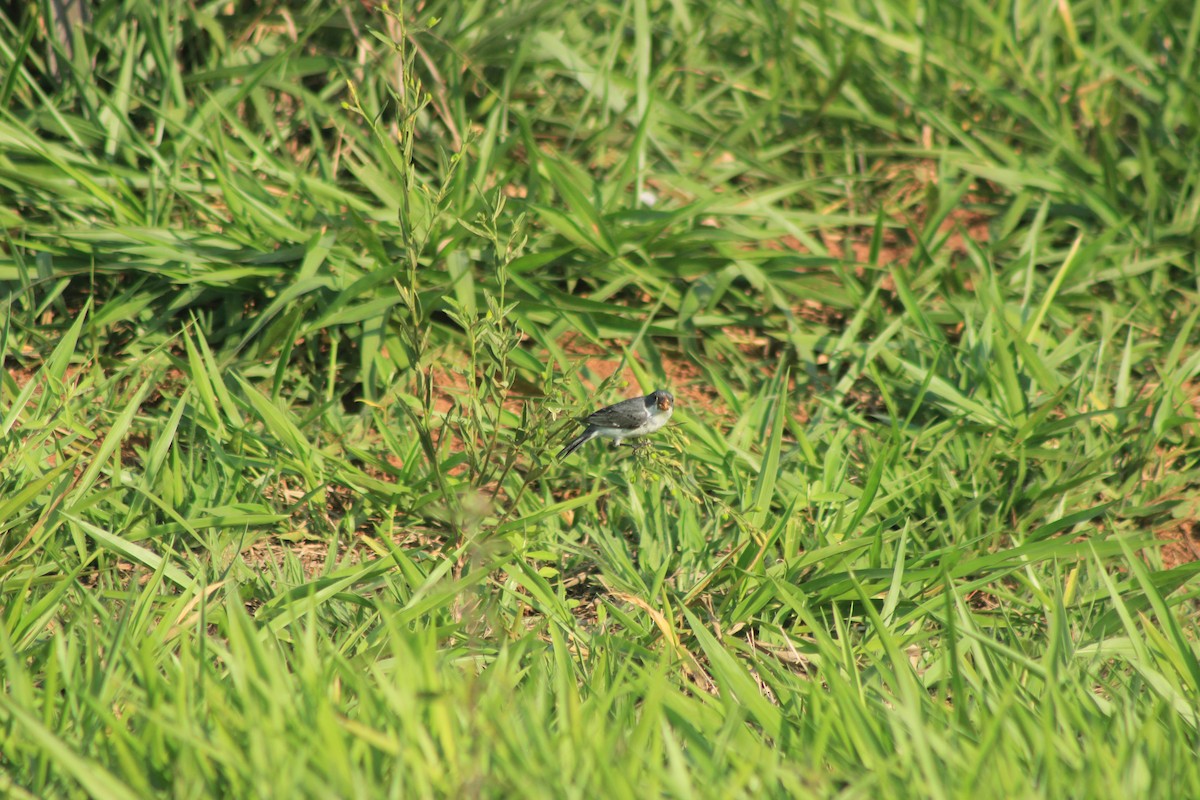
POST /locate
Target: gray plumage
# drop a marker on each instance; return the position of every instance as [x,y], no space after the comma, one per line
[627,419]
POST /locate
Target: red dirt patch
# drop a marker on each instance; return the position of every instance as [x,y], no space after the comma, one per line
[21,376]
[960,224]
[1183,543]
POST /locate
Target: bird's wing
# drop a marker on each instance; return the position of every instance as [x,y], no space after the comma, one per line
[625,414]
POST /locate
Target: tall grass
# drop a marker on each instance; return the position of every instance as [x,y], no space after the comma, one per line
[299,302]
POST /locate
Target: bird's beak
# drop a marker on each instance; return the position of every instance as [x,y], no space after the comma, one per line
[664,403]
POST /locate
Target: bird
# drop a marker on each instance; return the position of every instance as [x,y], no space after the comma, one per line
[637,416]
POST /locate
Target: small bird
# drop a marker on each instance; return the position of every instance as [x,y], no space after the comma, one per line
[637,416]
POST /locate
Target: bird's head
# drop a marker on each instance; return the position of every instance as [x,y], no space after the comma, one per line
[664,400]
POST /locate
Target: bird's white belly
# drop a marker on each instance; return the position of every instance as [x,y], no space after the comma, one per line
[649,426]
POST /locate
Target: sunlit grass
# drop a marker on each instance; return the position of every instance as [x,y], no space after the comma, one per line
[298,306]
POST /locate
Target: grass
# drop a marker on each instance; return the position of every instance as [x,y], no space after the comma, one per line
[300,302]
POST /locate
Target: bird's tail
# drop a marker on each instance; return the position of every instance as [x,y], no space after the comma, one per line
[587,435]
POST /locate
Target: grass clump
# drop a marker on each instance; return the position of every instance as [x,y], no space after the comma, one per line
[299,303]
